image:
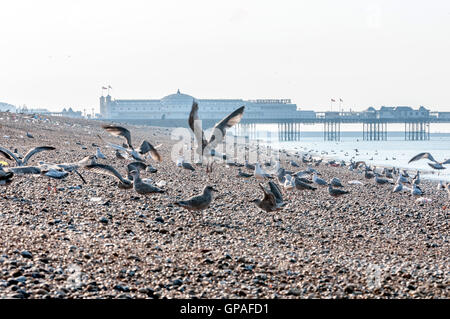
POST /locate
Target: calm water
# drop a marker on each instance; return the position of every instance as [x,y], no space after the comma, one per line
[393,152]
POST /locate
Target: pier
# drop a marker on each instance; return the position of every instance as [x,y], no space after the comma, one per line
[374,126]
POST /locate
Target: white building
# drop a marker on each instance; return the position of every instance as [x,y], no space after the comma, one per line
[178,106]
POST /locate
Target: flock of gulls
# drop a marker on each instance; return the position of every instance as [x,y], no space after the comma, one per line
[271,183]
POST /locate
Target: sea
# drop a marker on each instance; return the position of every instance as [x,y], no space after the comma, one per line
[393,152]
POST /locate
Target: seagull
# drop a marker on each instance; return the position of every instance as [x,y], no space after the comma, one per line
[99,154]
[301,185]
[119,155]
[260,173]
[133,166]
[416,179]
[141,187]
[243,174]
[368,174]
[294,164]
[402,179]
[198,202]
[111,171]
[151,169]
[435,165]
[319,180]
[289,182]
[219,129]
[249,166]
[125,133]
[272,200]
[398,187]
[335,192]
[381,180]
[416,191]
[336,182]
[5,177]
[9,155]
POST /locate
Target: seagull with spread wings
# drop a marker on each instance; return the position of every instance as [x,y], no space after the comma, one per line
[128,147]
[272,200]
[218,132]
[11,156]
[435,165]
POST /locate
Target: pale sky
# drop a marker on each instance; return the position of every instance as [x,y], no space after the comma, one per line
[56,54]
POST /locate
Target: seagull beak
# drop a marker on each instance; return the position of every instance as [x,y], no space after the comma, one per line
[215,190]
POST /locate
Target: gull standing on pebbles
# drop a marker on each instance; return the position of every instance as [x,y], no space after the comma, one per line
[301,185]
[260,173]
[381,180]
[99,154]
[398,187]
[243,174]
[319,180]
[335,192]
[249,166]
[198,202]
[416,191]
[336,182]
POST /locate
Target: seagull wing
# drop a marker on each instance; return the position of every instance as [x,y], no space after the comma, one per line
[422,155]
[106,169]
[446,162]
[36,150]
[195,126]
[115,146]
[8,155]
[276,191]
[136,165]
[147,147]
[232,119]
[268,196]
[119,131]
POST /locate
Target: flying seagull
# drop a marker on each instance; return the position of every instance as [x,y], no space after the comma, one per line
[125,133]
[111,171]
[10,155]
[435,165]
[219,129]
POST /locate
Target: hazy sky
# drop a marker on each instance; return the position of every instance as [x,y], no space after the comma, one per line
[56,54]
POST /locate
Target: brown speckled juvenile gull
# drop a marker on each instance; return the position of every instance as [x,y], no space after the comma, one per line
[198,202]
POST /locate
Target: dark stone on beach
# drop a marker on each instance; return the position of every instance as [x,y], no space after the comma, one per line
[121,288]
[177,282]
[349,289]
[104,220]
[26,254]
[159,219]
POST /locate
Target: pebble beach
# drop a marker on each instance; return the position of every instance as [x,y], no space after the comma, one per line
[67,239]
